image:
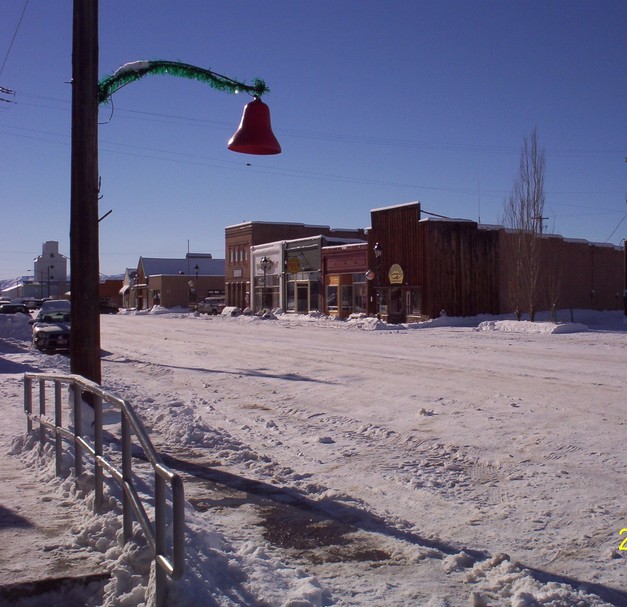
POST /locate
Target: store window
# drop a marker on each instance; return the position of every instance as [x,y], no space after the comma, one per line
[359,298]
[414,301]
[332,298]
[267,292]
[359,293]
[383,300]
[314,294]
[347,299]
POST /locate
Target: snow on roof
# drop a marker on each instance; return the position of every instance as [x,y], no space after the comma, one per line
[447,219]
[347,245]
[396,206]
[489,226]
[311,241]
[155,266]
[278,223]
[322,239]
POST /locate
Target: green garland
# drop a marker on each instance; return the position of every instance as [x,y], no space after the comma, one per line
[130,72]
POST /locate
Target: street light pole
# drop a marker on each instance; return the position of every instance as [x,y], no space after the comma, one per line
[378,251]
[265,263]
[84,245]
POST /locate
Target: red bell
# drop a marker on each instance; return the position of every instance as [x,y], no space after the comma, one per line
[254,135]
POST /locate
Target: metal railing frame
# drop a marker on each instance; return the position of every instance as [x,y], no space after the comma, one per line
[156,534]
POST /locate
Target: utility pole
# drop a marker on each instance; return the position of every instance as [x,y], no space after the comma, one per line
[254,136]
[539,225]
[84,246]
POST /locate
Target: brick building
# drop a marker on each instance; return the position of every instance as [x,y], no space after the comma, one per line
[241,237]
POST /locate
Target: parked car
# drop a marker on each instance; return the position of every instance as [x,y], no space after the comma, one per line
[51,326]
[211,305]
[33,304]
[53,305]
[106,307]
[13,308]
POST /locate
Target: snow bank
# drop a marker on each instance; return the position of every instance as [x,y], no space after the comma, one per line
[15,326]
[501,582]
[526,326]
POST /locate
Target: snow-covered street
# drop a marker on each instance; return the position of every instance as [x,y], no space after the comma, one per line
[354,463]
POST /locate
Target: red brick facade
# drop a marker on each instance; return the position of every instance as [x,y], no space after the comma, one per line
[239,238]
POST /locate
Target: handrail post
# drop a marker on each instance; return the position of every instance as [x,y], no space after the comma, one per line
[78,428]
[42,412]
[58,423]
[98,472]
[160,543]
[127,473]
[28,403]
[178,518]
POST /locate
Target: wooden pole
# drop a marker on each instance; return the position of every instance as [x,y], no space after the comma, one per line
[84,249]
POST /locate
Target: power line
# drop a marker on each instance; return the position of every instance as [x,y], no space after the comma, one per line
[616,228]
[168,118]
[165,155]
[619,223]
[4,90]
[14,36]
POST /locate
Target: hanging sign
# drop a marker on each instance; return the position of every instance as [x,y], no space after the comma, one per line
[293,265]
[369,275]
[396,274]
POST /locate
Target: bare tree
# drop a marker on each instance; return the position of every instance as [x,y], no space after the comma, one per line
[522,215]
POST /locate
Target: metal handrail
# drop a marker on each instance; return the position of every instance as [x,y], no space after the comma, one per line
[131,425]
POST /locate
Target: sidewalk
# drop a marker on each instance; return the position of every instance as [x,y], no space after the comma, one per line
[37,554]
[35,530]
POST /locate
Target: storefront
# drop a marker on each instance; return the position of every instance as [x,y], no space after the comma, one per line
[289,275]
[395,253]
[345,270]
[302,277]
[266,264]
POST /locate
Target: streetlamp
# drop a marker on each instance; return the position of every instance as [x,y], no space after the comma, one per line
[378,251]
[254,136]
[265,263]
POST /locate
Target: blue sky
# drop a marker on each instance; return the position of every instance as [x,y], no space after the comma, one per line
[374,103]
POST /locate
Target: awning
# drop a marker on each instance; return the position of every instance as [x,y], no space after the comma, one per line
[125,290]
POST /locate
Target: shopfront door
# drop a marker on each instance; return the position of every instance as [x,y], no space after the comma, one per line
[397,312]
[302,297]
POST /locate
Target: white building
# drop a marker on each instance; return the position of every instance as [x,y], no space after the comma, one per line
[50,270]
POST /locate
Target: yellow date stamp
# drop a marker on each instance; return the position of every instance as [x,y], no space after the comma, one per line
[623,544]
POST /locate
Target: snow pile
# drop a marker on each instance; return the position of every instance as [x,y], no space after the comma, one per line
[15,326]
[502,582]
[215,570]
[526,326]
